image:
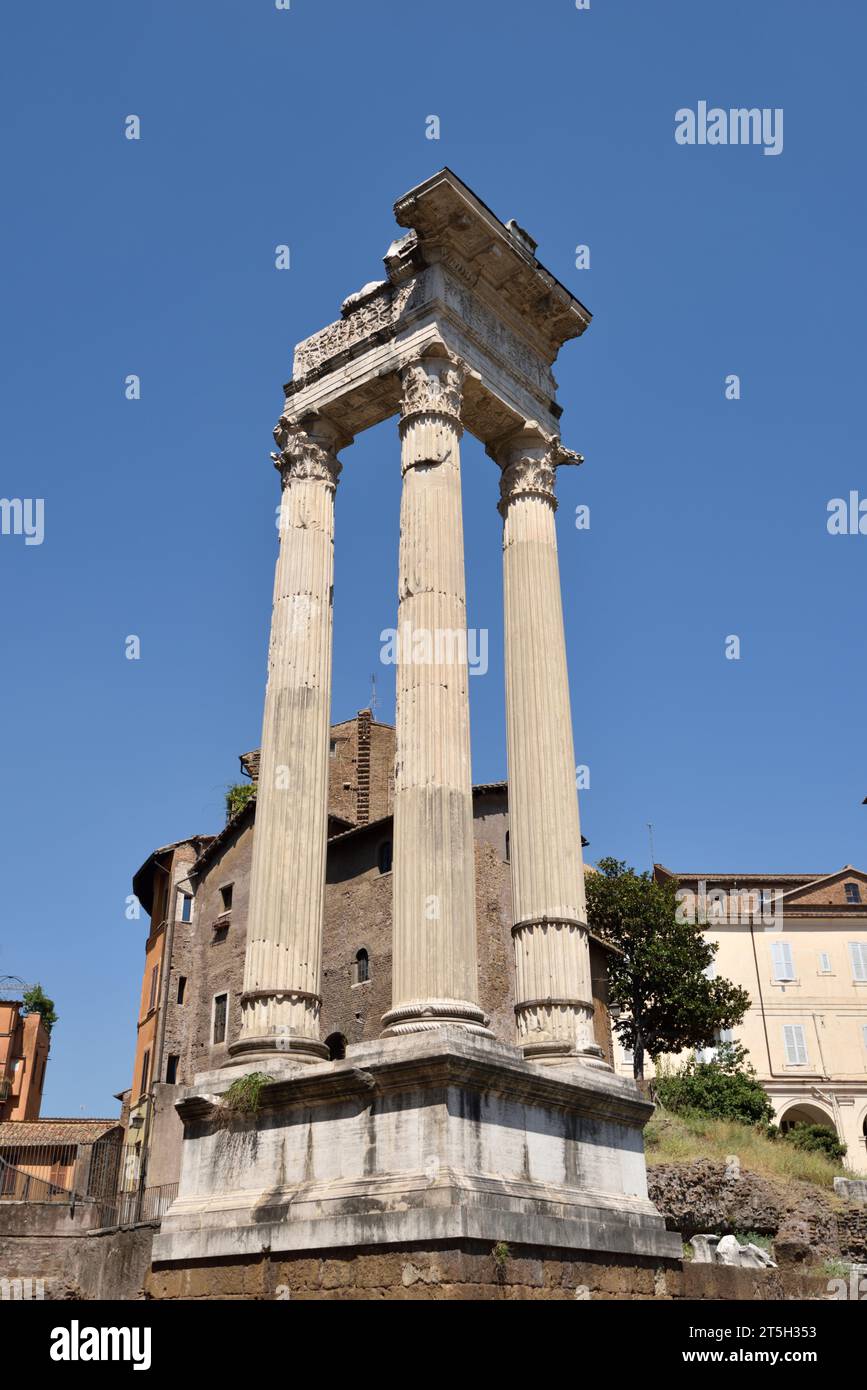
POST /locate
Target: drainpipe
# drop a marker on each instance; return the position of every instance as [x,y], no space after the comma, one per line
[775,1075]
[833,1103]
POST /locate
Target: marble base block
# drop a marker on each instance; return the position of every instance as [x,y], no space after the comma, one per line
[426,1137]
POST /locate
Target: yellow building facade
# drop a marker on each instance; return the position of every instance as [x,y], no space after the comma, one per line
[798,944]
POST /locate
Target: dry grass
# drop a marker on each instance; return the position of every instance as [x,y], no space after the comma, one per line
[683,1138]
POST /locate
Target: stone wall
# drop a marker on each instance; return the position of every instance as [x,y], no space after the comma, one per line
[806,1224]
[361,769]
[471,1271]
[44,1241]
[216,960]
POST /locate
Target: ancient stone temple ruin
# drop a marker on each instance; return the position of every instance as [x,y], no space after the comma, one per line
[437,1137]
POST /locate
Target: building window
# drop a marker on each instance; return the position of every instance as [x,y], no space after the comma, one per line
[361,968]
[145,1072]
[332,748]
[172,1069]
[795,1044]
[185,904]
[182,988]
[221,1003]
[226,897]
[784,968]
[336,1044]
[824,963]
[858,955]
[507,848]
[853,893]
[384,857]
[155,974]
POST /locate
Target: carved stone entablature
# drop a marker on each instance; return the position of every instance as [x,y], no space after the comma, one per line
[497,338]
[433,385]
[306,458]
[403,258]
[529,461]
[460,278]
[376,312]
[456,229]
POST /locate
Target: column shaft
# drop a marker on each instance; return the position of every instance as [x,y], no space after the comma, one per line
[281,1001]
[554,1003]
[434,958]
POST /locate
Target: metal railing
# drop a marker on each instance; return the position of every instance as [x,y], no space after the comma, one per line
[18,1186]
[143,1204]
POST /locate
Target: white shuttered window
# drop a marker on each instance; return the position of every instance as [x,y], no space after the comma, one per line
[795,1044]
[784,967]
[858,955]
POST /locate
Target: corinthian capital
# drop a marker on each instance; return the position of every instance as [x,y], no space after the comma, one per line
[529,461]
[433,385]
[307,454]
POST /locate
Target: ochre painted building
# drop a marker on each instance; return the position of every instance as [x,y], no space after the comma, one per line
[24,1044]
[798,944]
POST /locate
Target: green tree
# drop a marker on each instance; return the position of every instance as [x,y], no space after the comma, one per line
[36,1001]
[725,1088]
[661,995]
[816,1139]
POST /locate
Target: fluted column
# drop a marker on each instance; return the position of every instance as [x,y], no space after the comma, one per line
[434,922]
[281,999]
[554,1000]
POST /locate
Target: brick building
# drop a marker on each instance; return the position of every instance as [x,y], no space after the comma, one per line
[191,1011]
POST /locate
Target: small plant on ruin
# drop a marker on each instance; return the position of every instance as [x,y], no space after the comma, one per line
[501,1254]
[237,797]
[244,1095]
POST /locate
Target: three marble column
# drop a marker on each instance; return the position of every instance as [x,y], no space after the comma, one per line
[434,926]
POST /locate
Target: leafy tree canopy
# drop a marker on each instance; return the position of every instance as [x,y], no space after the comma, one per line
[662,996]
[36,1001]
[725,1088]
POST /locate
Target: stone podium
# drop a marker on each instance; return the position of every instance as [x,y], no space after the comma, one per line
[438,1135]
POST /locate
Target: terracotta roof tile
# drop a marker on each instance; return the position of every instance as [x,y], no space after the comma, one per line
[19,1133]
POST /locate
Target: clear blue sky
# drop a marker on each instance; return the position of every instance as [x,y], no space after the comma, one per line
[708,516]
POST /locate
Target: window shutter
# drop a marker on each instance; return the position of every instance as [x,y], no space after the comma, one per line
[783,963]
[858,952]
[795,1043]
[825,963]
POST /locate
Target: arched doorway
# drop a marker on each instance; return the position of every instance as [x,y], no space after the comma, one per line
[806,1113]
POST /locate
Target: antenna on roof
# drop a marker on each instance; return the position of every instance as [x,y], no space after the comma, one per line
[652,854]
[12,986]
[373,699]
